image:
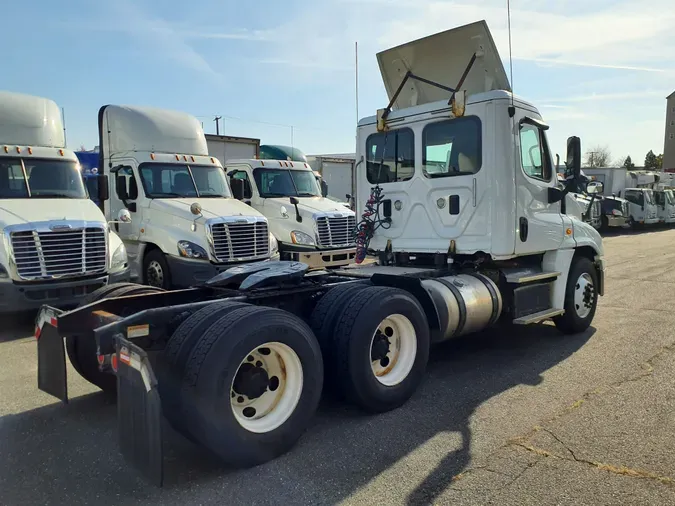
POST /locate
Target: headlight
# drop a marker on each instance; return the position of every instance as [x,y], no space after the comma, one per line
[119,258]
[616,212]
[274,245]
[189,249]
[301,238]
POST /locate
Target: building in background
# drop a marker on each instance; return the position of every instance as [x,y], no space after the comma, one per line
[669,142]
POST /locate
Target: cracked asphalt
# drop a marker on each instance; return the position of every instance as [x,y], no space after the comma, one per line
[518,417]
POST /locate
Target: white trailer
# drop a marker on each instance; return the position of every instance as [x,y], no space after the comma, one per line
[57,245]
[338,172]
[470,230]
[226,147]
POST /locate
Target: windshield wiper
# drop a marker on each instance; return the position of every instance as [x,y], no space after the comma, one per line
[53,196]
[167,194]
[307,194]
[212,195]
[278,195]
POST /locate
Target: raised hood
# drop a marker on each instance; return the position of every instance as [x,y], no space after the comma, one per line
[443,58]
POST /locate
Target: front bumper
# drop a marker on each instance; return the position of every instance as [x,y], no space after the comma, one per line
[28,296]
[318,259]
[616,221]
[186,273]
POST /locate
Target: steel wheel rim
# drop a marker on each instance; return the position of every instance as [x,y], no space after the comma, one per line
[394,366]
[584,295]
[155,274]
[261,411]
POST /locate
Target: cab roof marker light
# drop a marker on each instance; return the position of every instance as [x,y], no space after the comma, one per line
[291,164]
[192,158]
[177,157]
[18,149]
[30,151]
[6,149]
[61,152]
[262,163]
[185,158]
[152,156]
[212,160]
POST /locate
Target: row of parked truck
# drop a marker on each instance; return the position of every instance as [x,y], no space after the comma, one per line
[459,204]
[156,206]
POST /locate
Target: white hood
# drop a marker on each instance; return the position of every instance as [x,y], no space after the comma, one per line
[309,205]
[22,211]
[211,208]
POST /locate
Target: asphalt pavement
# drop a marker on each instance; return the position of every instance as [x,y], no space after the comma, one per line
[505,417]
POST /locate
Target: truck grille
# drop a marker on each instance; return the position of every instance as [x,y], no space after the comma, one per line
[624,208]
[234,242]
[57,254]
[335,231]
[597,209]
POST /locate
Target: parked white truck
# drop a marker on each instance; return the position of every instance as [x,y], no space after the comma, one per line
[186,226]
[633,186]
[338,171]
[460,203]
[309,227]
[57,246]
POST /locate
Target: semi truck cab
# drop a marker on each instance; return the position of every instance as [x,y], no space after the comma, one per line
[57,245]
[186,225]
[309,227]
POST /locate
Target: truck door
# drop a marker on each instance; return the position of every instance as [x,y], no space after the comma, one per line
[124,195]
[539,225]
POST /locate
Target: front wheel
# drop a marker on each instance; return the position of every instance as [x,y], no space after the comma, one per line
[156,270]
[581,297]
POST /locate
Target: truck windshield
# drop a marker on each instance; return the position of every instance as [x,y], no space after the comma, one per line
[286,183]
[22,178]
[168,180]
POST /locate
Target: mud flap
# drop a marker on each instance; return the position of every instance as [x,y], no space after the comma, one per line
[139,411]
[51,354]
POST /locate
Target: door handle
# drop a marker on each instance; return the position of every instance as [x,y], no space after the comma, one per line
[523,229]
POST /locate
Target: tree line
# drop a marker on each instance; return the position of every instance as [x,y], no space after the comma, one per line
[600,156]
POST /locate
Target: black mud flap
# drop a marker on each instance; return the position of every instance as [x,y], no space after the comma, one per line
[51,354]
[139,411]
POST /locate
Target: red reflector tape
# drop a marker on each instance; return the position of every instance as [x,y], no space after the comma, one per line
[54,322]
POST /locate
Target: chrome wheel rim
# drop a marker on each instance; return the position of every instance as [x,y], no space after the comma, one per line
[155,274]
[584,295]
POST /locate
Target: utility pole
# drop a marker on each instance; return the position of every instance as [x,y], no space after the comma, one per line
[217,119]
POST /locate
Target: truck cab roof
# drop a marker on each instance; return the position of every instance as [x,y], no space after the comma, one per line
[30,121]
[271,164]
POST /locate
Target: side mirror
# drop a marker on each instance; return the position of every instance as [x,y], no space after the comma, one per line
[555,194]
[121,188]
[294,201]
[324,188]
[103,189]
[237,186]
[594,187]
[248,192]
[574,156]
[124,216]
[133,188]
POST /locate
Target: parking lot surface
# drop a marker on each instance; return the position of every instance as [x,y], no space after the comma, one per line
[519,416]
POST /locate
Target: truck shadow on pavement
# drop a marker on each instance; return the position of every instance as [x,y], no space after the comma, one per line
[71,451]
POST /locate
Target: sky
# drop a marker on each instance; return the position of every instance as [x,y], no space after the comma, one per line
[284,71]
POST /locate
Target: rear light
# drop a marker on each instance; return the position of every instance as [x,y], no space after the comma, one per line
[113,362]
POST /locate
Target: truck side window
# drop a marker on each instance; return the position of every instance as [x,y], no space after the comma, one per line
[533,154]
[398,147]
[12,182]
[130,181]
[452,147]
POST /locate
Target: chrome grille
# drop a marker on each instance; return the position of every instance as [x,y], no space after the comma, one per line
[335,231]
[597,208]
[234,242]
[57,254]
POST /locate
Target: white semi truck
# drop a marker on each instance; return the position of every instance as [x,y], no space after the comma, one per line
[308,227]
[459,203]
[57,246]
[186,226]
[338,171]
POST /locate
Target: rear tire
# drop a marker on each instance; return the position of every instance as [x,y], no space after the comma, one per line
[381,343]
[170,370]
[223,378]
[581,297]
[82,351]
[323,320]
